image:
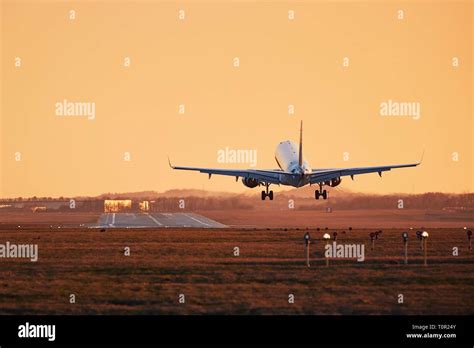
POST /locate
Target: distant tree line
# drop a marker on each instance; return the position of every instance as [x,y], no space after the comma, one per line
[282,201]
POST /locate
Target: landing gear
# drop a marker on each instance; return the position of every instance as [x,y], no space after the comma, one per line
[321,193]
[267,193]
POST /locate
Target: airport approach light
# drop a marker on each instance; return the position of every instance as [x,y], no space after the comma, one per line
[307,238]
[420,237]
[327,237]
[372,240]
[425,247]
[307,241]
[405,244]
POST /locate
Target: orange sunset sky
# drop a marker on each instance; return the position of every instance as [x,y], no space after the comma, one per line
[421,55]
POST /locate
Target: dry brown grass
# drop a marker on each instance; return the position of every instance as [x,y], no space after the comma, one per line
[363,218]
[25,218]
[200,264]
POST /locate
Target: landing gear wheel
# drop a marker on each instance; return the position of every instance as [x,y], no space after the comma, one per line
[325,194]
[267,193]
[316,194]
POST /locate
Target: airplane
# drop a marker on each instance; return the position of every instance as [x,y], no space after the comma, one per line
[294,171]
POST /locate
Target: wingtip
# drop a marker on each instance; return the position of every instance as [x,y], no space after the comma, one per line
[169,162]
[422,155]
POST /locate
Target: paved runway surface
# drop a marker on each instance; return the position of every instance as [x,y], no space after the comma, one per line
[141,220]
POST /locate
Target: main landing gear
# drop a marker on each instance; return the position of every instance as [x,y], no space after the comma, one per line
[321,193]
[267,193]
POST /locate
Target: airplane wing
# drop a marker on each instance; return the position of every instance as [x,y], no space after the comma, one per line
[265,176]
[322,175]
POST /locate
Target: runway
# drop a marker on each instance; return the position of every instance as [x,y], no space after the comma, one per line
[147,220]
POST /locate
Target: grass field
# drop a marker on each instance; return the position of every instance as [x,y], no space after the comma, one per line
[201,265]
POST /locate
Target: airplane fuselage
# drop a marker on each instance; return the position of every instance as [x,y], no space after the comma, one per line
[287,158]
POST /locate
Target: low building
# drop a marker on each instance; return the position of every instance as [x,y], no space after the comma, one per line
[117,205]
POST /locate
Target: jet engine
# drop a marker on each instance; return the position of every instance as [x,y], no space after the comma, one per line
[333,182]
[249,182]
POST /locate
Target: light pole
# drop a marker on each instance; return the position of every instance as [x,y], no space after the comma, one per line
[372,240]
[469,237]
[420,237]
[405,244]
[425,236]
[327,237]
[307,241]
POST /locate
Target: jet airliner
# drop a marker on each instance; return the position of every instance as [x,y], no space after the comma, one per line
[294,171]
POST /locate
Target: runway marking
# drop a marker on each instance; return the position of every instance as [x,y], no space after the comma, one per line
[197,220]
[154,220]
[162,220]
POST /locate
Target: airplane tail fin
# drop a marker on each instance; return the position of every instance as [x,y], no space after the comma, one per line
[301,145]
